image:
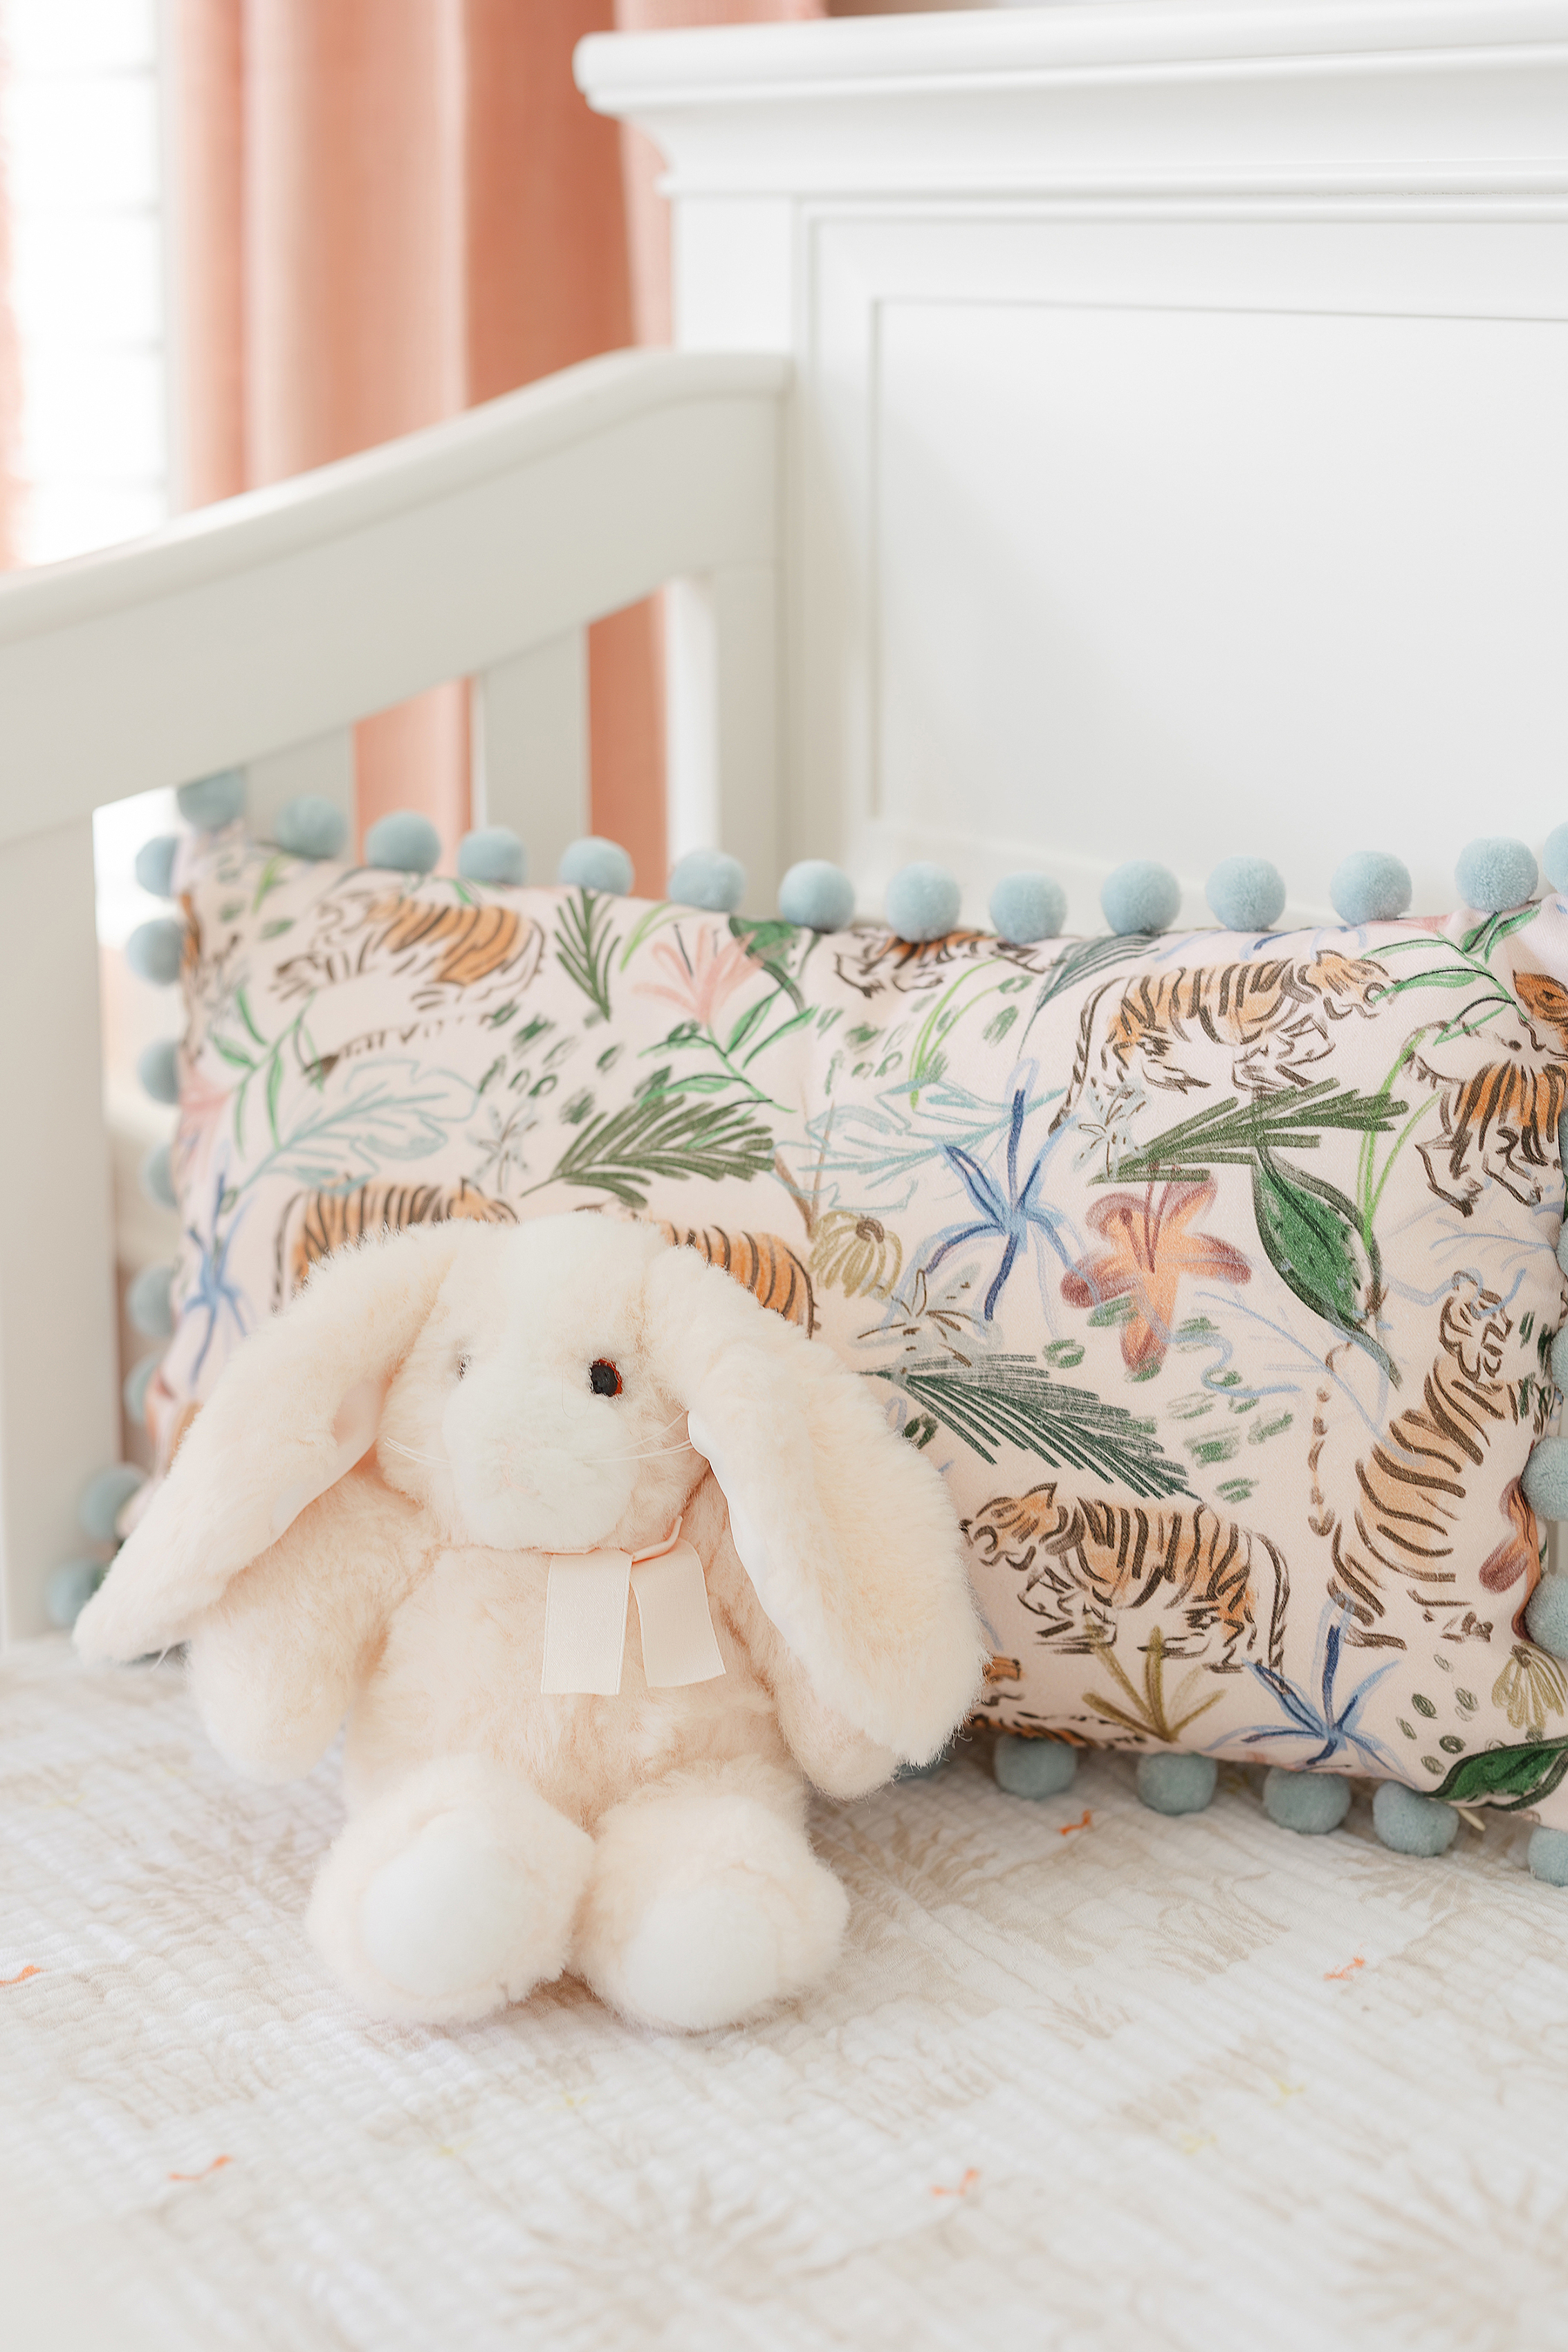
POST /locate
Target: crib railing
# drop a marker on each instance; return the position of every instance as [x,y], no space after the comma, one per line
[255,636]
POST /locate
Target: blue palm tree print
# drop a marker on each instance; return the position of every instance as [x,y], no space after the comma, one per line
[212,1293]
[1006,1209]
[1321,1718]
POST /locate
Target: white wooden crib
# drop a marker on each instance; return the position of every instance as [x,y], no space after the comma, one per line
[1097,429]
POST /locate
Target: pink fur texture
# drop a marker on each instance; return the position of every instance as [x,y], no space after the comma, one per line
[654,1842]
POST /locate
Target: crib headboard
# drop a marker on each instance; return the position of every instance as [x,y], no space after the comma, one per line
[1178,460]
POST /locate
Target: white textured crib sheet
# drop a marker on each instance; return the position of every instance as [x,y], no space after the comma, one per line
[1085,2077]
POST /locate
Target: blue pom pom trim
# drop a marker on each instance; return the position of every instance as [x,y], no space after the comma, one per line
[1370,886]
[1495,874]
[1245,894]
[493,854]
[310,826]
[212,802]
[708,879]
[154,867]
[404,842]
[595,864]
[105,1497]
[922,902]
[817,895]
[158,1068]
[1027,907]
[1140,897]
[155,950]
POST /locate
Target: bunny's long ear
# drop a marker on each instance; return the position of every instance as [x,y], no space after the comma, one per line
[297,1405]
[846,1532]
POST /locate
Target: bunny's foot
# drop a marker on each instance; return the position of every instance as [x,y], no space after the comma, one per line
[452,1894]
[706,1904]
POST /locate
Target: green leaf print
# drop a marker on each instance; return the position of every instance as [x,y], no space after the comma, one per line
[660,1135]
[1311,1234]
[1232,1134]
[1509,1778]
[584,946]
[1012,1400]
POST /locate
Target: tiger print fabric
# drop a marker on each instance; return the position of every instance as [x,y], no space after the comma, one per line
[1217,1274]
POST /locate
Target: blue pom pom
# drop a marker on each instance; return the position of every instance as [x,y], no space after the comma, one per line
[155,951]
[818,895]
[1370,886]
[922,902]
[405,842]
[148,1302]
[155,864]
[493,854]
[70,1588]
[1547,1854]
[594,864]
[212,802]
[709,880]
[1554,857]
[1033,1768]
[1177,1783]
[1494,874]
[1545,1480]
[158,1068]
[1546,1614]
[1026,907]
[1408,1822]
[1140,897]
[105,1497]
[1312,1803]
[1560,1360]
[310,826]
[138,1381]
[1245,894]
[157,1176]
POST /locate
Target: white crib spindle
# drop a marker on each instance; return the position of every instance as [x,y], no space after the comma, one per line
[722,728]
[59,1417]
[530,748]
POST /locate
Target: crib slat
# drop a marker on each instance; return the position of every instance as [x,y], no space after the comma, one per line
[58,1375]
[324,766]
[530,748]
[722,686]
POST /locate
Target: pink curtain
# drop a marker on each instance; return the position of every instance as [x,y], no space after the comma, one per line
[388,209]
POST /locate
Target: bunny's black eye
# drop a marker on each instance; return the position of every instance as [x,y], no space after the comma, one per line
[462,1364]
[603,1379]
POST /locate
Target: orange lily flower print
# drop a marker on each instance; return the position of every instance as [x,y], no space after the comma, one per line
[702,979]
[1152,1244]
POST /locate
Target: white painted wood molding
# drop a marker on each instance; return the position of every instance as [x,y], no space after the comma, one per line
[263,623]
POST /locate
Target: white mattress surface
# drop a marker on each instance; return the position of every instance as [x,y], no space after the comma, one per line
[1085,2077]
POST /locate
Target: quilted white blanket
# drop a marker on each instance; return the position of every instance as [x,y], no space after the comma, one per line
[1085,2078]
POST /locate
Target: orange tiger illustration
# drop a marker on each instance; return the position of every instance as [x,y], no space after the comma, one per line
[316,1224]
[760,1263]
[1412,1483]
[1271,1016]
[1083,1561]
[879,960]
[1501,1121]
[445,948]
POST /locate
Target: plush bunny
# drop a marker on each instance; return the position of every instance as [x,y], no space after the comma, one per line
[440,1469]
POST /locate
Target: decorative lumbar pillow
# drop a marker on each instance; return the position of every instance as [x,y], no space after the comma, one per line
[1216,1271]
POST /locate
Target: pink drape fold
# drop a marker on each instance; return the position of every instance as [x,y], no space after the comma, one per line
[388,209]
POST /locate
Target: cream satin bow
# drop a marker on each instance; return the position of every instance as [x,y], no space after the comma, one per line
[585,1619]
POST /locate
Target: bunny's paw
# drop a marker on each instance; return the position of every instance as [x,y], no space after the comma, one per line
[705,1907]
[452,1895]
